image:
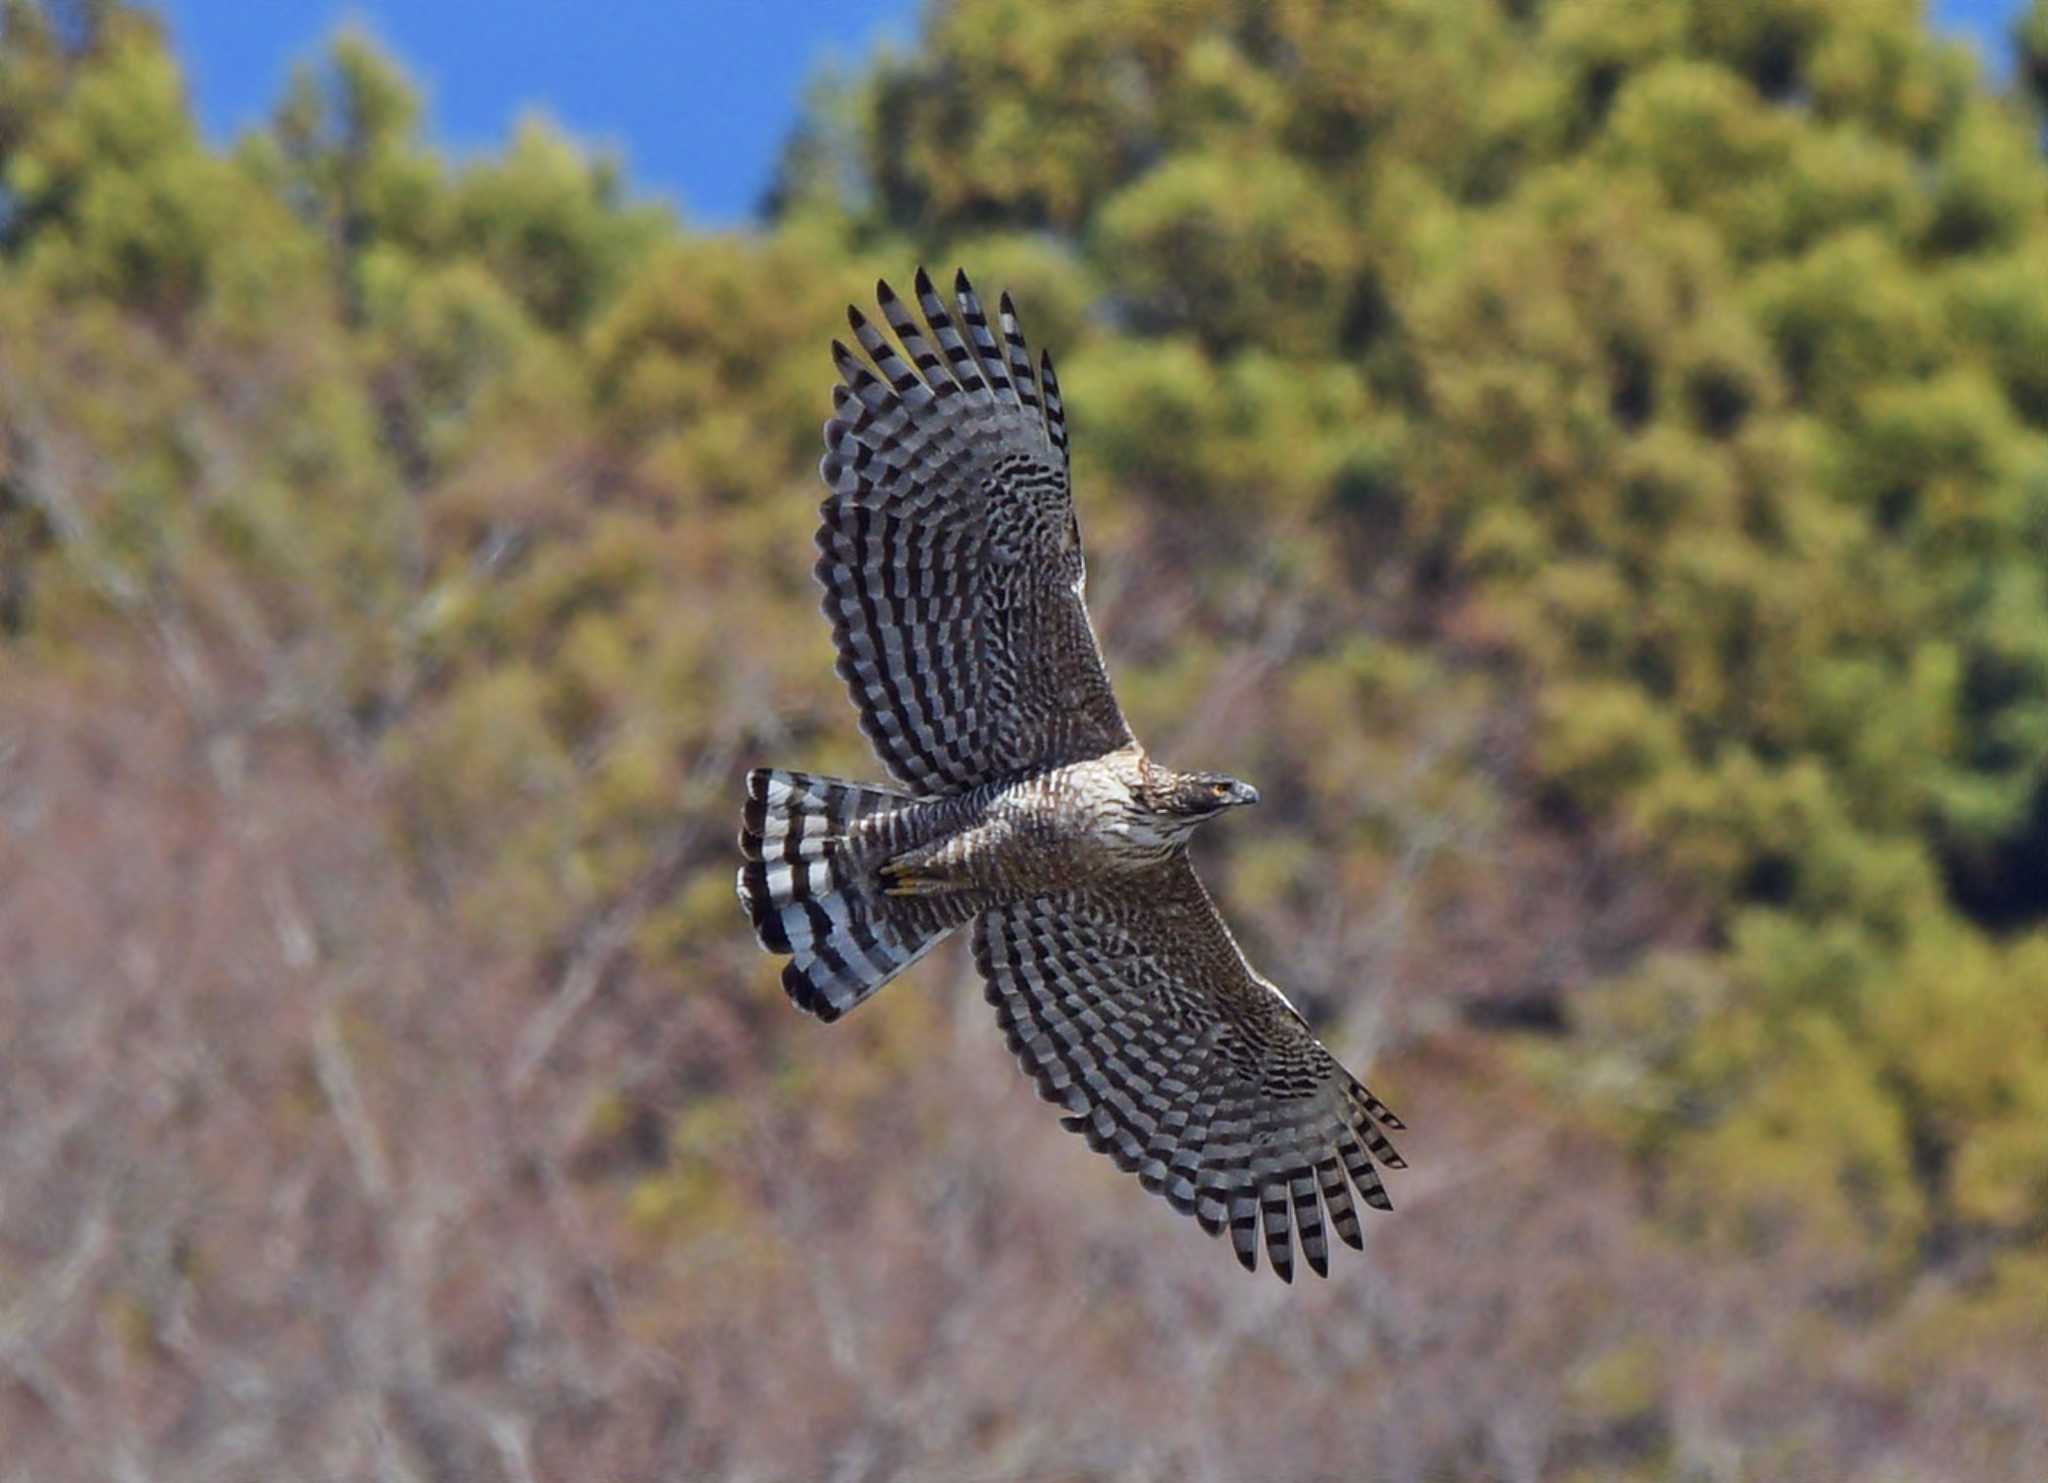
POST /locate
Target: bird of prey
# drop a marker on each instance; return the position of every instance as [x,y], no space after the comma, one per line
[1026,811]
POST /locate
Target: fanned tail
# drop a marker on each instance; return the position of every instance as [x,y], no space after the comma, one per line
[812,897]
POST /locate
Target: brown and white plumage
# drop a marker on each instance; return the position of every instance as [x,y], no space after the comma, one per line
[953,576]
[1130,1003]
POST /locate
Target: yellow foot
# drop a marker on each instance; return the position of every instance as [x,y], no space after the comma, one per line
[903,880]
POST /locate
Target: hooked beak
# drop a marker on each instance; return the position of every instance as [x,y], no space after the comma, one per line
[1246,793]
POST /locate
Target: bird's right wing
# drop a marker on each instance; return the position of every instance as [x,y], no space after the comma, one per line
[951,558]
[1133,1008]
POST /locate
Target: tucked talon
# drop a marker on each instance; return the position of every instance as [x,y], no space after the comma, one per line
[906,881]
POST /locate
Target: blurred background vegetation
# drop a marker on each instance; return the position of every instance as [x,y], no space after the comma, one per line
[1586,459]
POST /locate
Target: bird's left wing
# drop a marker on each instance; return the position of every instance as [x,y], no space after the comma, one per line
[1133,1008]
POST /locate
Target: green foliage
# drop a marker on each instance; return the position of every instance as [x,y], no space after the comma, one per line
[2030,43]
[553,225]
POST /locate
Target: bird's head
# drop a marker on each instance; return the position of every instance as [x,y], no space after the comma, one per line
[1195,796]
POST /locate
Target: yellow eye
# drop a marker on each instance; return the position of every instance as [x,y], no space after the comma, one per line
[1220,790]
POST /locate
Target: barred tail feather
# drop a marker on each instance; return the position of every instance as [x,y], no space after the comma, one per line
[810,898]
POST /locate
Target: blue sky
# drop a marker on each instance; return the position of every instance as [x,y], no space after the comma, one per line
[697,95]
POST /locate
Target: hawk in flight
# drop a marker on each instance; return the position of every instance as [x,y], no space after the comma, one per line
[1027,812]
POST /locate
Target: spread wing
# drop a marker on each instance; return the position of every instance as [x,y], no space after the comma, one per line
[1132,1006]
[951,557]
